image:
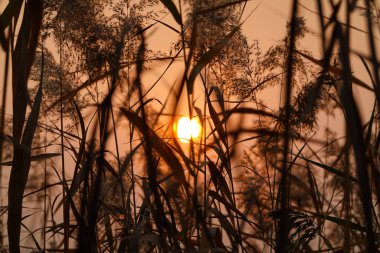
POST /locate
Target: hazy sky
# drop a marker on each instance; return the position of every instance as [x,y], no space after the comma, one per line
[266,24]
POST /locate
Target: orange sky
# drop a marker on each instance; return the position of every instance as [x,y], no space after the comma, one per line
[266,24]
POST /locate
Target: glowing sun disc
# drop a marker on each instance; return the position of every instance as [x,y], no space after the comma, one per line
[187,129]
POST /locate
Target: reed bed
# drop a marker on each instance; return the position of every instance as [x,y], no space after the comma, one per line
[91,160]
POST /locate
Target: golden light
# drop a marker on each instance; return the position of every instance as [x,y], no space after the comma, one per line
[187,129]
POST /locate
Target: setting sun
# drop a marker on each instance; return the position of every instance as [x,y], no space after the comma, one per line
[187,129]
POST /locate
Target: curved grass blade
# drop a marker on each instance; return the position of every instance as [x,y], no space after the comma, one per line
[173,10]
[219,180]
[158,144]
[227,226]
[22,60]
[336,70]
[208,57]
[217,123]
[330,169]
[6,16]
[38,157]
[341,222]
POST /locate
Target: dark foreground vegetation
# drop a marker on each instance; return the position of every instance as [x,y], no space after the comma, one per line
[90,161]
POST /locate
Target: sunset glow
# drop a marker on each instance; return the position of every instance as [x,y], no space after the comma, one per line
[187,129]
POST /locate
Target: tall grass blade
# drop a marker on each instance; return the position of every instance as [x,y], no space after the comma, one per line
[173,10]
[10,11]
[282,240]
[39,157]
[22,60]
[207,57]
[159,145]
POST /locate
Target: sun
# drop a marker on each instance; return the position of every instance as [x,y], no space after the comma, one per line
[187,129]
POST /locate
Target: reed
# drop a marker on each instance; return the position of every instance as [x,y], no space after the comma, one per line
[111,174]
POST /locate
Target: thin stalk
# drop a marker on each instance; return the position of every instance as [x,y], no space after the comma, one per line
[282,242]
[2,124]
[371,42]
[353,119]
[66,218]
